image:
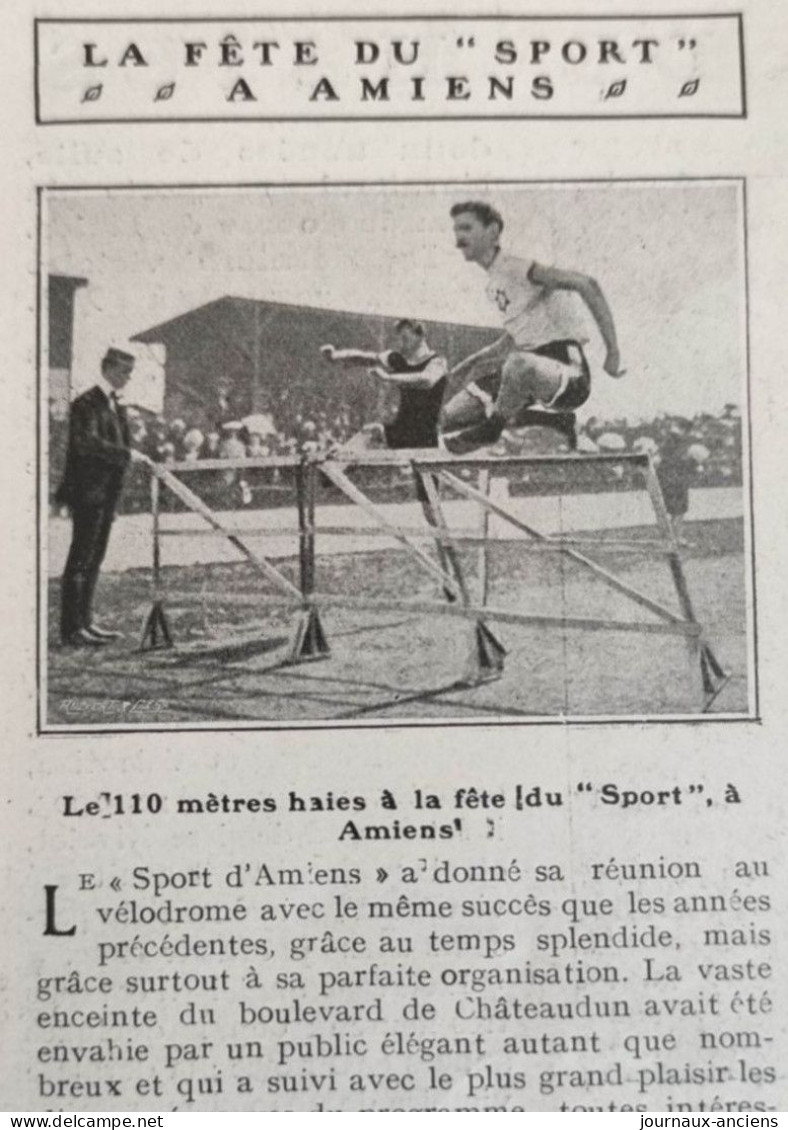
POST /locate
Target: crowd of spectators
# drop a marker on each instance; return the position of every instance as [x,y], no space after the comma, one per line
[701,451]
[713,442]
[178,440]
[705,450]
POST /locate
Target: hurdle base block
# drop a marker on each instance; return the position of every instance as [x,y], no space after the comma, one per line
[309,640]
[156,634]
[713,676]
[486,660]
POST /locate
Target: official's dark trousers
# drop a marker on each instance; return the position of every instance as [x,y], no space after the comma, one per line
[91,525]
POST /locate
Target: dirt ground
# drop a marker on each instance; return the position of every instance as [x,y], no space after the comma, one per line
[226,667]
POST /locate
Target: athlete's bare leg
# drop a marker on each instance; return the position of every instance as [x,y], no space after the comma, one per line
[473,418]
[464,410]
[526,379]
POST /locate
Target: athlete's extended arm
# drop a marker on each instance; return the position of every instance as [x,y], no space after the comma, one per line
[591,293]
[349,356]
[483,361]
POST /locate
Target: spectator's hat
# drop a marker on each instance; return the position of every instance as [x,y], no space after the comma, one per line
[193,438]
[117,354]
[232,426]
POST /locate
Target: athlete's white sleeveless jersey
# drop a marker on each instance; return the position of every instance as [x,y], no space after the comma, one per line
[532,315]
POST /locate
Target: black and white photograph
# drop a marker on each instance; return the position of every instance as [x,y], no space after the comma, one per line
[395,541]
[378,454]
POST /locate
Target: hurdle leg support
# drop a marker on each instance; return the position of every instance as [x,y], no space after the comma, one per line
[486,659]
[156,634]
[309,640]
[713,675]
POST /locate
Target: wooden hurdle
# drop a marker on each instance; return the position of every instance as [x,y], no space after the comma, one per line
[430,468]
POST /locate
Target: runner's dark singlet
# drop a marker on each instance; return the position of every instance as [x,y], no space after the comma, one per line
[416,422]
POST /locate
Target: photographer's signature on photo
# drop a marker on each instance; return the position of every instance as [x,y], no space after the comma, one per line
[130,707]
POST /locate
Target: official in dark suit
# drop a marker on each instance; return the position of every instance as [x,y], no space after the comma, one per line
[96,460]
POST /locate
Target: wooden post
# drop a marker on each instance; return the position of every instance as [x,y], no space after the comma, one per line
[666,529]
[444,543]
[483,486]
[309,639]
[155,503]
[303,548]
[311,495]
[486,657]
[155,627]
[702,659]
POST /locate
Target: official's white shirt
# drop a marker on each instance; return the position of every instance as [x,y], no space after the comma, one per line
[532,315]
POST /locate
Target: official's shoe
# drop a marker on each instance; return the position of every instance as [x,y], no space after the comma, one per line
[83,638]
[104,633]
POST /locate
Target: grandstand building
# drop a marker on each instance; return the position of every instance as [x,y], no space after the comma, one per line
[258,355]
[60,305]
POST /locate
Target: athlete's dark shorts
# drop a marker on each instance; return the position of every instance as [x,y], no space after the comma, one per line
[577,390]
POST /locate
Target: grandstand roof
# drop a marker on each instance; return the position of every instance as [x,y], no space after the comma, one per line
[242,315]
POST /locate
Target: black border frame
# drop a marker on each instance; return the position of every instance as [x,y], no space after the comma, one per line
[544,117]
[582,721]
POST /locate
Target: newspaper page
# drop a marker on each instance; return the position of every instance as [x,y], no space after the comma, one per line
[394,535]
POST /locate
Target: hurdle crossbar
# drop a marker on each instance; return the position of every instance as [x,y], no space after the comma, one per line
[403,457]
[473,537]
[429,458]
[247,463]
